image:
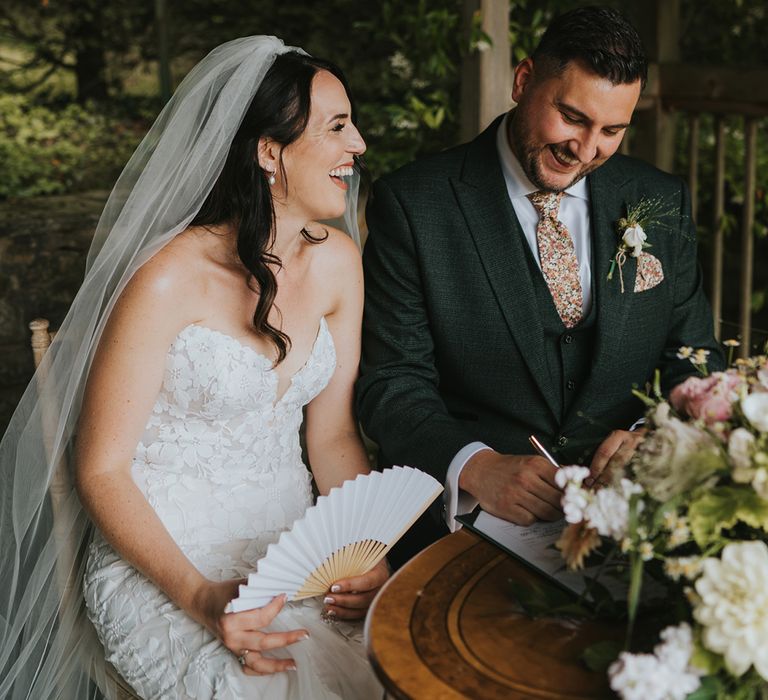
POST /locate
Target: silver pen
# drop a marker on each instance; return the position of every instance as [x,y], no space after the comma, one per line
[543,451]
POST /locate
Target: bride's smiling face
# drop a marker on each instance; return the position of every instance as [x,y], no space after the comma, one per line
[318,164]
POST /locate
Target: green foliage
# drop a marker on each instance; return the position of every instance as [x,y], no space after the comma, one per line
[50,151]
[599,656]
[721,509]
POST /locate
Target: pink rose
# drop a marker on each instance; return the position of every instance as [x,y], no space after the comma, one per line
[707,398]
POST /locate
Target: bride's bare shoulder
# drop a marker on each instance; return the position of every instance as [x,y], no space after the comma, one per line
[173,277]
[338,253]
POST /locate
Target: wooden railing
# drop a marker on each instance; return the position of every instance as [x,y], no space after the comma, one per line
[696,91]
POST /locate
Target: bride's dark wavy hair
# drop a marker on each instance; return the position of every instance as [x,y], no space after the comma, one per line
[241,195]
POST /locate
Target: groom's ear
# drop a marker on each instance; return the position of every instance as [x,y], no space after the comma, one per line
[522,79]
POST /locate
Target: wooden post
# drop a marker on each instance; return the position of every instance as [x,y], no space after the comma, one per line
[486,80]
[718,226]
[747,236]
[693,163]
[653,134]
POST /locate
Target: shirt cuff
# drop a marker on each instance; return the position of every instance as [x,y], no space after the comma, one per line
[455,501]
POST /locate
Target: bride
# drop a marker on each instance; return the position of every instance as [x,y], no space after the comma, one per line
[215,311]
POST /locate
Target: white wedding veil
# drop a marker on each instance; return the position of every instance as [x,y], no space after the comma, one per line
[44,652]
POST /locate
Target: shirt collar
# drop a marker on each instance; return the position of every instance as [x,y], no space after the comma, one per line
[518,184]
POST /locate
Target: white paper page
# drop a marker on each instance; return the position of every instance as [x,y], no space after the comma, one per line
[535,544]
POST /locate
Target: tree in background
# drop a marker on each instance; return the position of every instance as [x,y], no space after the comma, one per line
[91,40]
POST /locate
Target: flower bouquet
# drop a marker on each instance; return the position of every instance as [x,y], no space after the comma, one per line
[689,513]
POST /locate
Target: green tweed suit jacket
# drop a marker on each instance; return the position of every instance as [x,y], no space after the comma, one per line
[453,343]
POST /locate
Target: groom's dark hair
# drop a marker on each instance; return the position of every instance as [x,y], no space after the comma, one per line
[600,38]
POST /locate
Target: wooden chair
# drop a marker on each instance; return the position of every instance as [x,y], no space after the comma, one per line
[70,557]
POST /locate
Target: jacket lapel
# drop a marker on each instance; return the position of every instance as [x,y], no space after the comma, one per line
[608,198]
[482,196]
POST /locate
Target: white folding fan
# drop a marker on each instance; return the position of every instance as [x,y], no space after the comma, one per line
[344,534]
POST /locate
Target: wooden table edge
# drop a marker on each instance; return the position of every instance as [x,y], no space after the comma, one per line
[402,650]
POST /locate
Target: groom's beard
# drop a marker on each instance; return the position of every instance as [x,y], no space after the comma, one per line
[530,155]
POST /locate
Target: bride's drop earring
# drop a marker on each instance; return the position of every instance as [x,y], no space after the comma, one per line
[271,179]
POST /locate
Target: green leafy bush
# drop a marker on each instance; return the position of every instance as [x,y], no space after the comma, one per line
[45,150]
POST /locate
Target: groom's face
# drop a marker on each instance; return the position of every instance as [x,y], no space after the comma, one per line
[567,124]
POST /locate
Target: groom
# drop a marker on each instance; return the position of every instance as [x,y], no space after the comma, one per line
[500,302]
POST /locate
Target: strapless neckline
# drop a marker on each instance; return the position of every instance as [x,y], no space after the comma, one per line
[265,362]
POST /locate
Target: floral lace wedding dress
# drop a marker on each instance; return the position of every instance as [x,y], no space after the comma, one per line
[220,462]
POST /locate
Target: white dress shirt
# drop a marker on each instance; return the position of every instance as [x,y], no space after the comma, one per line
[574,214]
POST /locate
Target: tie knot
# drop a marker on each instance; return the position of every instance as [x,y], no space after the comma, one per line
[546,203]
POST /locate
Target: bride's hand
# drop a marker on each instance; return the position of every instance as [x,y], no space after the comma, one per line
[350,598]
[241,632]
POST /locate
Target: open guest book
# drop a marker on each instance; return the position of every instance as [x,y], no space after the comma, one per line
[534,545]
[344,534]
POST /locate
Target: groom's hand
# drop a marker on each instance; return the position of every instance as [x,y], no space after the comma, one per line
[614,454]
[521,489]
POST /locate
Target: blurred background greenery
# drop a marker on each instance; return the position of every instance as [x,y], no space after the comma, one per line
[79,78]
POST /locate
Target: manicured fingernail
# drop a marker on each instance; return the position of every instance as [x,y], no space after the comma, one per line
[328,600]
[306,636]
[335,588]
[330,613]
[292,668]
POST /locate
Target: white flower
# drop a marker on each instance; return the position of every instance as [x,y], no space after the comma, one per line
[755,408]
[762,375]
[646,551]
[663,675]
[760,483]
[740,446]
[634,237]
[684,352]
[679,535]
[575,501]
[404,124]
[608,511]
[733,606]
[686,567]
[401,65]
[571,475]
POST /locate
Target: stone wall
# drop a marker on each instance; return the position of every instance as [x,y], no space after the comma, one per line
[43,246]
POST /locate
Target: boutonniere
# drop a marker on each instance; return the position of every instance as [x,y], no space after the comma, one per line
[632,228]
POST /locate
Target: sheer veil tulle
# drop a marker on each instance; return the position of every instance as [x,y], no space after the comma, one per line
[47,647]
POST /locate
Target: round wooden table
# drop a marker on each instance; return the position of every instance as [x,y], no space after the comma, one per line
[447,626]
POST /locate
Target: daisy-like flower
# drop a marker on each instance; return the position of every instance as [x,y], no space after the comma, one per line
[684,352]
[700,356]
[733,606]
[646,551]
[731,343]
[682,567]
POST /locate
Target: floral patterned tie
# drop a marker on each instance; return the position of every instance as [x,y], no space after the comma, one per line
[558,257]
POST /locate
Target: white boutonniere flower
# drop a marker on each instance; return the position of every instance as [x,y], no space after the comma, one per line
[632,228]
[634,237]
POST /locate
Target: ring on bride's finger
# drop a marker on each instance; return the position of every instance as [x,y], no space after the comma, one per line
[243,655]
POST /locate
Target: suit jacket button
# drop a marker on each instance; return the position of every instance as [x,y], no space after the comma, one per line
[562,441]
[570,385]
[568,339]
